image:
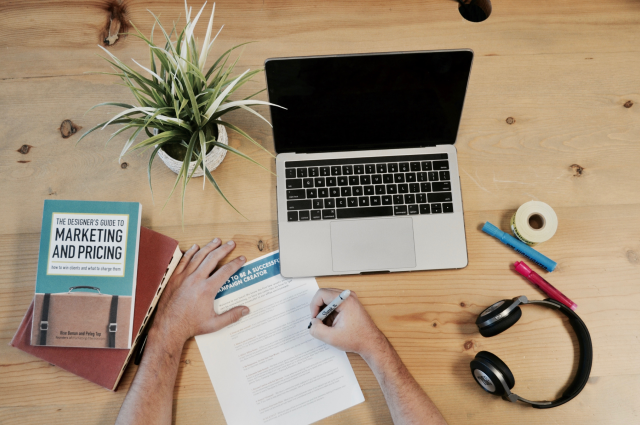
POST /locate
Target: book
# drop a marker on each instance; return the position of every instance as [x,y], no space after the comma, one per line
[87,270]
[159,256]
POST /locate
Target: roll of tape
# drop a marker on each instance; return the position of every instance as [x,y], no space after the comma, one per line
[534,222]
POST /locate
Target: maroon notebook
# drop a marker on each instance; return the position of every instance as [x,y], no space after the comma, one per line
[158,257]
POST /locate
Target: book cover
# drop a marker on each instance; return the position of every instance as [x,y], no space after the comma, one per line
[87,269]
[158,258]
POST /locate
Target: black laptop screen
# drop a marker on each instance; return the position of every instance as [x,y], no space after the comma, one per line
[379,101]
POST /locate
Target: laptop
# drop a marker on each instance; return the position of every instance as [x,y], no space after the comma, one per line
[367,172]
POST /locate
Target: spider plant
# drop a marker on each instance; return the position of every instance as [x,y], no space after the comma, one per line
[181,98]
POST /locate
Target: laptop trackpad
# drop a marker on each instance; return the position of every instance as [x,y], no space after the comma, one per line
[370,245]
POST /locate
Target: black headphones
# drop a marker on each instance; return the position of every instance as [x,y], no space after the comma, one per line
[493,375]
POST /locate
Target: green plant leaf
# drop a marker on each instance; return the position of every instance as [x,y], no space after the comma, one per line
[245,135]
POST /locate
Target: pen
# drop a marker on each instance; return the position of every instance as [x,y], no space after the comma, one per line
[332,306]
[521,247]
[546,287]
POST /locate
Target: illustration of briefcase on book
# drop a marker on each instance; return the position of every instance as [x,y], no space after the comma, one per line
[81,319]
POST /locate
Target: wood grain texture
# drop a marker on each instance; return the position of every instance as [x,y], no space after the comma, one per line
[551,114]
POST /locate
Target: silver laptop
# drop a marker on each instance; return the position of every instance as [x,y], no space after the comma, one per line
[367,169]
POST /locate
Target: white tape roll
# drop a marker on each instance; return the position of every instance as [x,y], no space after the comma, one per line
[534,222]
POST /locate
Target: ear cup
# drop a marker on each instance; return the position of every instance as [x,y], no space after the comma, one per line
[502,324]
[485,377]
[498,364]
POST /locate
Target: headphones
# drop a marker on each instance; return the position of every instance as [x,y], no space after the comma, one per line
[493,375]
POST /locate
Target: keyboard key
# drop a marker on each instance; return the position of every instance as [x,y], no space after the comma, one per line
[329,203]
[329,214]
[319,181]
[393,168]
[414,187]
[317,204]
[294,184]
[410,199]
[343,181]
[380,189]
[296,194]
[392,189]
[447,207]
[398,178]
[347,170]
[365,212]
[440,197]
[363,201]
[381,168]
[304,215]
[341,202]
[302,172]
[426,166]
[413,209]
[410,177]
[325,171]
[334,192]
[425,209]
[421,198]
[323,192]
[403,188]
[441,186]
[357,190]
[330,181]
[313,172]
[370,168]
[422,177]
[398,199]
[368,190]
[400,210]
[312,193]
[365,180]
[307,182]
[345,191]
[387,200]
[425,187]
[440,165]
[444,175]
[433,176]
[436,209]
[354,180]
[404,167]
[316,214]
[292,216]
[336,170]
[304,204]
[387,178]
[358,169]
[352,202]
[415,166]
[375,200]
[290,173]
[376,179]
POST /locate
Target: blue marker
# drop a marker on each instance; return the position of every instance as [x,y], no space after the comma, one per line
[521,247]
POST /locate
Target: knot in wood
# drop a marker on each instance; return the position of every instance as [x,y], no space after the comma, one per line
[24,149]
[260,245]
[124,165]
[628,104]
[510,120]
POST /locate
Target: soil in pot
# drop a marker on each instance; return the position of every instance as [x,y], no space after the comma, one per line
[178,152]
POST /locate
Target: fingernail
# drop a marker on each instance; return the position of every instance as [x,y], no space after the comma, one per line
[215,240]
[231,243]
[245,311]
[309,327]
[242,258]
[194,246]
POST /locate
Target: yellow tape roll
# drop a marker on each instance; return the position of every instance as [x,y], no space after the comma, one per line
[534,222]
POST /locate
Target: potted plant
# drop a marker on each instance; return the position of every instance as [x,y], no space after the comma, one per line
[181,104]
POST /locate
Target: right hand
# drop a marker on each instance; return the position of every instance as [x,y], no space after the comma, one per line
[351,329]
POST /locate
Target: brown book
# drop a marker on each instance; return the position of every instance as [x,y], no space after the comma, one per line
[158,257]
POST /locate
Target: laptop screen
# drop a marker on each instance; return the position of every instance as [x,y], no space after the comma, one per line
[370,101]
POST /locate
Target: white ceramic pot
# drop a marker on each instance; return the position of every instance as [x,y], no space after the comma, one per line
[212,159]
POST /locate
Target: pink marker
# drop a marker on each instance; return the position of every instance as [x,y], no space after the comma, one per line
[546,287]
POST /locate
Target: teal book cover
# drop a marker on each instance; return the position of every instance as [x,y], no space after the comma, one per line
[87,270]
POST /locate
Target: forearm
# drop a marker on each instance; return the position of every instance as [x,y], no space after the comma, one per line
[407,402]
[150,398]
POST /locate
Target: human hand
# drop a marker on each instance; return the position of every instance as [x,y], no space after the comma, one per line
[349,327]
[186,307]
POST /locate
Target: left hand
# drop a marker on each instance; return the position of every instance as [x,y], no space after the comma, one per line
[186,307]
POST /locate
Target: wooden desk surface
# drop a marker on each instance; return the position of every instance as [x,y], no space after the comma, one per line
[566,71]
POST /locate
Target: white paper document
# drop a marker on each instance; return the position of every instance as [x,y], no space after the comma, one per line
[266,368]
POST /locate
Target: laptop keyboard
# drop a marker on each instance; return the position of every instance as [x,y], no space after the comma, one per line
[368,187]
